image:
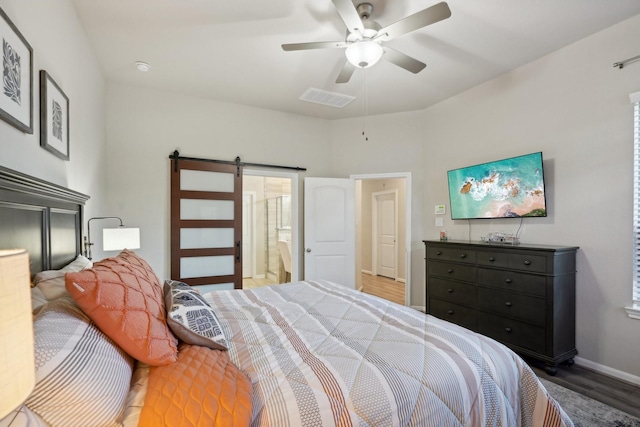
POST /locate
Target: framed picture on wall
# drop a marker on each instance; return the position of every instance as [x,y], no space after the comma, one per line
[16,96]
[54,117]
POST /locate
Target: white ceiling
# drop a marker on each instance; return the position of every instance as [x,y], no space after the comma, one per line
[230,50]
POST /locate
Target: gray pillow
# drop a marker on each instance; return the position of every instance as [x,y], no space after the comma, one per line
[191,318]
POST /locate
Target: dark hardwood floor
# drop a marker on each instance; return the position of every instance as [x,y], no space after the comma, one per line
[611,391]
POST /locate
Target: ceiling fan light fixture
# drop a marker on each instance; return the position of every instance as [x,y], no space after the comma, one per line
[364,54]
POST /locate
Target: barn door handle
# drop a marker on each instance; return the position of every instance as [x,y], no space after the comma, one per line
[238,252]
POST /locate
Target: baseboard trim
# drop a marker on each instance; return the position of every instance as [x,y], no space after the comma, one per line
[421,308]
[606,370]
[367,272]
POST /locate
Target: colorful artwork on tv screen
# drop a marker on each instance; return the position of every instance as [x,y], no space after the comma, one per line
[509,188]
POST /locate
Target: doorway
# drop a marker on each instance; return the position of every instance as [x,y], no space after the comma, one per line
[272,216]
[383,230]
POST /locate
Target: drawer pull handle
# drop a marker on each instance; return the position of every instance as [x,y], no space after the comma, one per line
[527,262]
[450,271]
[508,281]
[508,330]
[450,312]
[450,290]
[491,259]
[508,304]
[463,256]
[438,253]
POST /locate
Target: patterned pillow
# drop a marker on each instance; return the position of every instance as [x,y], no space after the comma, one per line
[191,318]
[82,377]
[123,296]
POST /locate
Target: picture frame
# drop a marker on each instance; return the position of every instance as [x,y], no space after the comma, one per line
[54,117]
[16,91]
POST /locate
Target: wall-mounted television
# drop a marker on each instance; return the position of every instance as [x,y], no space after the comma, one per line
[508,188]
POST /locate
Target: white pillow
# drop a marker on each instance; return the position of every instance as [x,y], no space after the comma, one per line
[51,282]
[37,300]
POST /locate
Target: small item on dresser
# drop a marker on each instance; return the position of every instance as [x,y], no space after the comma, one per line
[499,237]
[443,235]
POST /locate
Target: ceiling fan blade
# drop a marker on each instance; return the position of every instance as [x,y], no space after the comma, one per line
[346,72]
[425,17]
[313,45]
[403,61]
[349,15]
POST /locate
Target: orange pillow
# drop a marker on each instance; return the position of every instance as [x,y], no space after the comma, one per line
[123,296]
[203,388]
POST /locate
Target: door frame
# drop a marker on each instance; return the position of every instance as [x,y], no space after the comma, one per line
[408,237]
[374,225]
[295,212]
[252,241]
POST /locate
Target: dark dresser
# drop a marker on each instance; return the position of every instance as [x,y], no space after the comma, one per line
[520,295]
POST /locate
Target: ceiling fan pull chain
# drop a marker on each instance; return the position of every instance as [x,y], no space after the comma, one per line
[365,102]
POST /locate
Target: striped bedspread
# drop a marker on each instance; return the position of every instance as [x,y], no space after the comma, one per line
[319,354]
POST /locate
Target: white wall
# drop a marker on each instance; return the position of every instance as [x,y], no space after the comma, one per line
[396,144]
[573,106]
[145,126]
[61,48]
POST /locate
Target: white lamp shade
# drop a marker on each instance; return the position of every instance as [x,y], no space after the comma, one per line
[116,239]
[17,368]
[364,54]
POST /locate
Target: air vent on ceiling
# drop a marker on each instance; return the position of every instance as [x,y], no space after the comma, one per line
[331,99]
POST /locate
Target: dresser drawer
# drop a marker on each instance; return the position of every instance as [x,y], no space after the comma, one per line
[460,315]
[522,307]
[511,331]
[456,292]
[528,262]
[493,259]
[451,254]
[523,261]
[513,281]
[452,271]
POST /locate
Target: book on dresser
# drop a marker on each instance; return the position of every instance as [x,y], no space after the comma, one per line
[520,295]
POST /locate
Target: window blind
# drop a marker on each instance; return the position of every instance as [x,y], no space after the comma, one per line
[636,199]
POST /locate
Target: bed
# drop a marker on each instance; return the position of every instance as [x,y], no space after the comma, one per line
[300,354]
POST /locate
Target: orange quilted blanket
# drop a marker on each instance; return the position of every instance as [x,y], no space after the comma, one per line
[203,388]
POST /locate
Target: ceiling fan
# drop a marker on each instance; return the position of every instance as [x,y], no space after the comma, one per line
[363,43]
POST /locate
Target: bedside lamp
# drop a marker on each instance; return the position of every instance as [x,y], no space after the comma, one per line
[17,367]
[113,239]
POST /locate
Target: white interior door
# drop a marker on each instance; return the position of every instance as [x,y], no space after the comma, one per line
[385,232]
[329,230]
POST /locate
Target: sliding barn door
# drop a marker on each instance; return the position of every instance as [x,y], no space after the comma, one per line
[206,224]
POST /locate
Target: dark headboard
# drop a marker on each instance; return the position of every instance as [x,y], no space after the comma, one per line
[41,217]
